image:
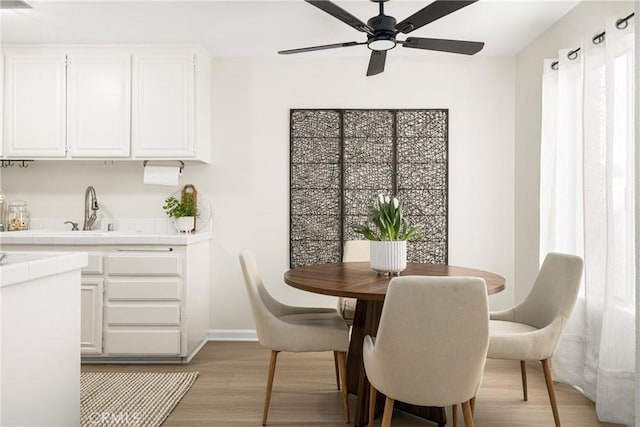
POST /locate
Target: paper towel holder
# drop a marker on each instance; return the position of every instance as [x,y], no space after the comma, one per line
[146,162]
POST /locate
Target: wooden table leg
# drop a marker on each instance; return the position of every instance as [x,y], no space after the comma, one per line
[365,322]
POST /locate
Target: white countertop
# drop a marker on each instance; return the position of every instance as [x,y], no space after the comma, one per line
[47,237]
[19,267]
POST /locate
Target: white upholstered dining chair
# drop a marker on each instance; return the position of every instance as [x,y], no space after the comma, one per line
[531,329]
[431,345]
[282,327]
[354,251]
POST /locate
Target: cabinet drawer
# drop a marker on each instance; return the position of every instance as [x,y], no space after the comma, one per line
[148,314]
[144,289]
[144,265]
[142,342]
[95,263]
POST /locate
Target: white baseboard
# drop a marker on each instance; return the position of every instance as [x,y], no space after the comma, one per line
[232,335]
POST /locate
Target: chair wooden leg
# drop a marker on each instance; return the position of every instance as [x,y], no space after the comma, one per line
[372,404]
[342,364]
[552,394]
[466,412]
[472,403]
[388,412]
[267,398]
[454,415]
[335,362]
[523,371]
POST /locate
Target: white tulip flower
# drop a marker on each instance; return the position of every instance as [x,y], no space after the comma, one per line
[396,203]
[387,199]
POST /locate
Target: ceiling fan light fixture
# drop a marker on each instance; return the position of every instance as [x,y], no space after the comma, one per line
[381,43]
[382,30]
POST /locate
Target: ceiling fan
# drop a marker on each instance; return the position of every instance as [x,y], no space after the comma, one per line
[382,30]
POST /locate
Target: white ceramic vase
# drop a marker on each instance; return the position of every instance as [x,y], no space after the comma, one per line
[389,257]
[184,224]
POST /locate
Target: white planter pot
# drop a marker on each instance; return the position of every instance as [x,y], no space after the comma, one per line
[388,256]
[184,224]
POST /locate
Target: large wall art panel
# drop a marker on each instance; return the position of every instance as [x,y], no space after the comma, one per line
[342,159]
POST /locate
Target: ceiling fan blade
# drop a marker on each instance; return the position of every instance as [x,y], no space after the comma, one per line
[376,63]
[443,45]
[338,12]
[322,47]
[430,13]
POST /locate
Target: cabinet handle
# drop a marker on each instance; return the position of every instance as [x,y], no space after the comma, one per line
[145,249]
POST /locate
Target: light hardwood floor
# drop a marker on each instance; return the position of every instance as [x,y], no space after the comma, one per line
[230,390]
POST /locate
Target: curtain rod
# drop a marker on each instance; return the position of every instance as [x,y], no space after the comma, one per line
[621,24]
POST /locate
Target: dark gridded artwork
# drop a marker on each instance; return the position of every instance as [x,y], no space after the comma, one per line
[342,159]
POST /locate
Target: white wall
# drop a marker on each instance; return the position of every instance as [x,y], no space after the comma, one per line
[585,19]
[249,177]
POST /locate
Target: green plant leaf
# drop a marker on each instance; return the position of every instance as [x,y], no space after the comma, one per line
[389,220]
[176,209]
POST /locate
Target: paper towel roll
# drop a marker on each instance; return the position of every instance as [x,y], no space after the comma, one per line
[162,175]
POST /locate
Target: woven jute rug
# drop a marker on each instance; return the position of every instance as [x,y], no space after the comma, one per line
[131,399]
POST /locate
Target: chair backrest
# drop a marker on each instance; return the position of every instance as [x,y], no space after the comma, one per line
[554,292]
[432,340]
[356,251]
[263,305]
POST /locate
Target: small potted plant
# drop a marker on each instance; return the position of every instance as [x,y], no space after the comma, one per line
[389,235]
[184,213]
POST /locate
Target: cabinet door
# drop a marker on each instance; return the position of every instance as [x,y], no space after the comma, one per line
[163,122]
[35,105]
[99,105]
[91,315]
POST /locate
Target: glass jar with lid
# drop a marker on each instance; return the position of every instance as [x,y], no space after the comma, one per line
[17,216]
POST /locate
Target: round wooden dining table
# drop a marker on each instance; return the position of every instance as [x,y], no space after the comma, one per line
[357,280]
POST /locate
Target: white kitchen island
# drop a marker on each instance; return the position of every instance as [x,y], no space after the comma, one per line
[39,336]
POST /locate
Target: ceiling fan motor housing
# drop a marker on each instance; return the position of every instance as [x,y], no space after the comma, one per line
[384,32]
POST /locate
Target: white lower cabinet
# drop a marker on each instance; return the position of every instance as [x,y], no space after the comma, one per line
[143,313]
[142,303]
[91,291]
[91,315]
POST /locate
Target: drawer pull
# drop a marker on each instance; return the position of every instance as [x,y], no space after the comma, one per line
[145,250]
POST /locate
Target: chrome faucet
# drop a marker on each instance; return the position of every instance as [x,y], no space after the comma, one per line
[90,208]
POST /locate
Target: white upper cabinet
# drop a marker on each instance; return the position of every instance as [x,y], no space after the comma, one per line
[100,102]
[163,119]
[99,105]
[35,105]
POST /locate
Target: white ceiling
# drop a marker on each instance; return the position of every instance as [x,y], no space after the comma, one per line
[261,28]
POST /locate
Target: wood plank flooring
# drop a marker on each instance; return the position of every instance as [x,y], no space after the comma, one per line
[230,392]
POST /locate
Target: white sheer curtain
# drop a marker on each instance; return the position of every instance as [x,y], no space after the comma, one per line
[587,207]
